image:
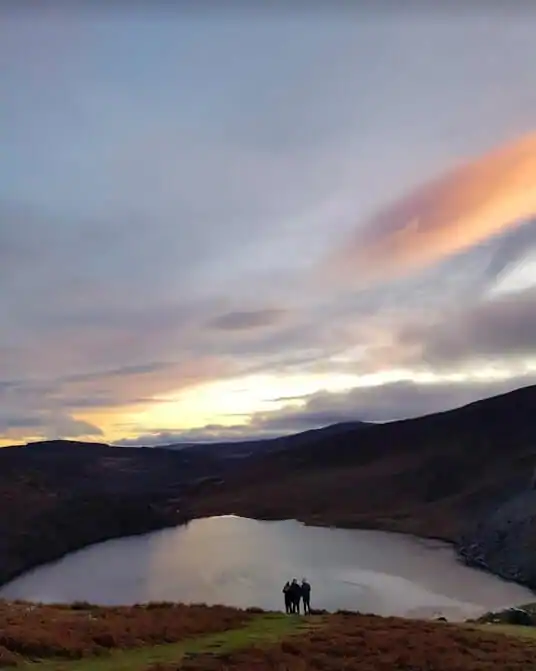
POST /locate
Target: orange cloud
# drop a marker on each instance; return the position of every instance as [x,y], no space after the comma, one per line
[454,212]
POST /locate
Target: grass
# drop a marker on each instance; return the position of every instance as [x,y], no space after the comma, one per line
[263,630]
[516,630]
[41,632]
[491,622]
[176,637]
[350,641]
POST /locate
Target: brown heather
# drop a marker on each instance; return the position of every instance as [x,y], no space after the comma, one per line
[83,630]
[369,643]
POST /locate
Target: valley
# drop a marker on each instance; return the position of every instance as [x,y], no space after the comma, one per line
[442,476]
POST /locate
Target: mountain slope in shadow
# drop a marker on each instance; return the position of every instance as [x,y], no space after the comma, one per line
[433,476]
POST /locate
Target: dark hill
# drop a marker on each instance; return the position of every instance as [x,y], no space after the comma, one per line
[434,476]
[254,448]
[59,496]
[440,475]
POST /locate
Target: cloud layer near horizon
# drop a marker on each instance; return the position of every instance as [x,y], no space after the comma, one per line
[397,400]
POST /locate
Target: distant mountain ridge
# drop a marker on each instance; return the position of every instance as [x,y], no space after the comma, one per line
[245,448]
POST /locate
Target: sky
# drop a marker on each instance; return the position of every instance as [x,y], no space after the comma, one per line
[218,225]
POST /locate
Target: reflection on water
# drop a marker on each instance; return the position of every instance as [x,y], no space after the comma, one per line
[244,562]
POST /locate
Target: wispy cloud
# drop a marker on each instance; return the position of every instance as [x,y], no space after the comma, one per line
[247,319]
[455,212]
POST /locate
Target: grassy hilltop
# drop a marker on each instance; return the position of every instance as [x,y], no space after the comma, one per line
[165,637]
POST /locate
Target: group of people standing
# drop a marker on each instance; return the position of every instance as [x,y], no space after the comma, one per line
[295,593]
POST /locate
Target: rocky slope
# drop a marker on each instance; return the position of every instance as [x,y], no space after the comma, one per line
[504,541]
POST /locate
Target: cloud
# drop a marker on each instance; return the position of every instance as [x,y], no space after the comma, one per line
[507,266]
[398,400]
[454,212]
[379,403]
[115,354]
[132,385]
[29,409]
[44,424]
[155,237]
[62,425]
[99,355]
[37,408]
[247,319]
[501,328]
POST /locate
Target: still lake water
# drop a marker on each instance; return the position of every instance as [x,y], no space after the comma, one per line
[243,562]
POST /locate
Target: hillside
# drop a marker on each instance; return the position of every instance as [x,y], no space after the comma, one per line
[462,475]
[432,475]
[165,637]
[250,448]
[59,496]
[445,475]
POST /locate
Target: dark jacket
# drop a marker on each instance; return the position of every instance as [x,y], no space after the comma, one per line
[295,591]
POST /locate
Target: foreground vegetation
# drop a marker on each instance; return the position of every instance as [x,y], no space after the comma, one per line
[175,637]
[371,643]
[29,631]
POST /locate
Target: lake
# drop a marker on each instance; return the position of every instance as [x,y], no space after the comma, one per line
[243,562]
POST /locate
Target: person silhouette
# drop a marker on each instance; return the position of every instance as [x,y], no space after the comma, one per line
[287,593]
[306,596]
[295,591]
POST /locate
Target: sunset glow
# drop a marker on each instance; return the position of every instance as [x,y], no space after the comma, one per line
[235,401]
[217,226]
[473,202]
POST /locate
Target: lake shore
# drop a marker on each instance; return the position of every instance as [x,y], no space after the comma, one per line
[74,524]
[86,525]
[386,573]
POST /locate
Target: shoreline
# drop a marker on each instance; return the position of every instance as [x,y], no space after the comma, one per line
[183,521]
[180,521]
